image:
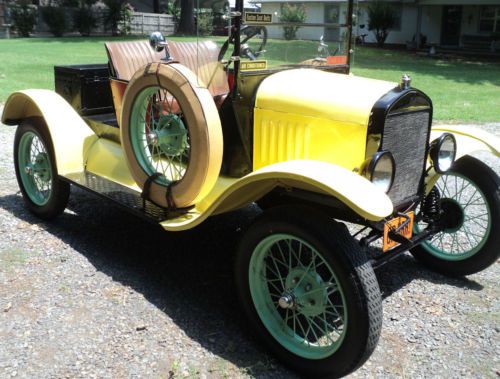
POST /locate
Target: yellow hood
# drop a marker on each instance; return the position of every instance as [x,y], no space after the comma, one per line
[321,94]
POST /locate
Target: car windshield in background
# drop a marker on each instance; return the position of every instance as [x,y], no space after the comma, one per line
[277,33]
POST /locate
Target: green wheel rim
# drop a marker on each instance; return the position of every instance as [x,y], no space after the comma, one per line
[297,296]
[470,236]
[158,136]
[35,168]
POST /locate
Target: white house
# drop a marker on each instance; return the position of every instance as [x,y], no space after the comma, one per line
[442,22]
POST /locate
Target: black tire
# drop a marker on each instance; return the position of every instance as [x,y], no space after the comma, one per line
[55,199]
[487,251]
[354,275]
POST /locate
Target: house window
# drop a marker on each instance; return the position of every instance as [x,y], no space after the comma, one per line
[489,19]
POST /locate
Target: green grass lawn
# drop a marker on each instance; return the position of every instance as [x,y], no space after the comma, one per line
[462,91]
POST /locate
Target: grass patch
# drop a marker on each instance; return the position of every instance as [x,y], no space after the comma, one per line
[462,91]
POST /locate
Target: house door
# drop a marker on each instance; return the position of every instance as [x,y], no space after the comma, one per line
[450,25]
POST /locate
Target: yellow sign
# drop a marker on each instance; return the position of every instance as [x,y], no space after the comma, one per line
[253,65]
[258,18]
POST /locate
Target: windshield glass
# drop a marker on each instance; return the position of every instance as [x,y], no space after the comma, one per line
[276,33]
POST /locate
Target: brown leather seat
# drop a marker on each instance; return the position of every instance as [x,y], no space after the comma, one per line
[200,57]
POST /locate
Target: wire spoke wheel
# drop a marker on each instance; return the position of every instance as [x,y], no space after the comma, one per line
[298,296]
[35,168]
[309,291]
[44,193]
[467,219]
[470,205]
[160,139]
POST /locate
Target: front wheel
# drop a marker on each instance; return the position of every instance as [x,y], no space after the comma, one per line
[44,193]
[470,202]
[308,291]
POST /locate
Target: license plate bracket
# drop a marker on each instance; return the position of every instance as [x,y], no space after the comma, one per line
[406,231]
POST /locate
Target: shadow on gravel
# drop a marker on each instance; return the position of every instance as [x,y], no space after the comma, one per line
[188,275]
[404,269]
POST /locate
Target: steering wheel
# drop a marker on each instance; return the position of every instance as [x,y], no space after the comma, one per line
[247,32]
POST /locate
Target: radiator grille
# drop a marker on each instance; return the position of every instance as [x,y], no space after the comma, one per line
[405,136]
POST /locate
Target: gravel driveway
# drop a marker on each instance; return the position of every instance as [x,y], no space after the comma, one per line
[99,293]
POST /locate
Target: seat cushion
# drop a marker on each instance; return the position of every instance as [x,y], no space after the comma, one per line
[200,57]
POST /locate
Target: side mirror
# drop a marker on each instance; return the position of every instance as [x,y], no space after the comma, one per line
[157,41]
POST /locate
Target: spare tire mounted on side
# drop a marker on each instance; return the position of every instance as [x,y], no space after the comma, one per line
[171,135]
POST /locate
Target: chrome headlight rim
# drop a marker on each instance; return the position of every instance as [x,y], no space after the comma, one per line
[371,168]
[436,147]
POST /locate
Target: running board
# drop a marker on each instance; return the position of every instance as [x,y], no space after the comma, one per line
[125,197]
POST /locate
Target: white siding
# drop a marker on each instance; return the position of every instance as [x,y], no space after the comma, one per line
[315,14]
[431,23]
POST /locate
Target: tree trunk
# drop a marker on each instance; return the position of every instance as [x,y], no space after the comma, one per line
[186,25]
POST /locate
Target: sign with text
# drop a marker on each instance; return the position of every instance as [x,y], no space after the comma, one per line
[258,18]
[253,65]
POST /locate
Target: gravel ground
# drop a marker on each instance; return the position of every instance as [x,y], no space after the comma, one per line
[100,293]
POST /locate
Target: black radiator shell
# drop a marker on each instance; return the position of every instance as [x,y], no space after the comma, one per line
[86,87]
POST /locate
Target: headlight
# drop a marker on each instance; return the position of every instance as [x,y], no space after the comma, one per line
[442,152]
[380,170]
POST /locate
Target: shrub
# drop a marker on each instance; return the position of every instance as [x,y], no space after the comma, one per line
[115,14]
[205,23]
[381,17]
[23,18]
[55,19]
[291,13]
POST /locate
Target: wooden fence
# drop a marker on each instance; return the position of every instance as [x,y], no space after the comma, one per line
[146,23]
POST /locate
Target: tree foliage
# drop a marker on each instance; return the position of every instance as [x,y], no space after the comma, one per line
[23,17]
[55,18]
[381,18]
[84,17]
[292,13]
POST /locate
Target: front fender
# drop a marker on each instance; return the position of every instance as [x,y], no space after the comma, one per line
[356,192]
[71,136]
[469,139]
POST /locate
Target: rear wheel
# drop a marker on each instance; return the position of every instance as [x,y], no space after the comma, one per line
[309,291]
[470,201]
[43,192]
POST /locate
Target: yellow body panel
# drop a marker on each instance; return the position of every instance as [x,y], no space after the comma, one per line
[71,136]
[106,159]
[280,137]
[313,114]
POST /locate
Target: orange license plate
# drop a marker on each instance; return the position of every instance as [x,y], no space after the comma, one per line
[393,224]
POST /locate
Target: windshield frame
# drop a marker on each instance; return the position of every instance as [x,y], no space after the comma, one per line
[237,23]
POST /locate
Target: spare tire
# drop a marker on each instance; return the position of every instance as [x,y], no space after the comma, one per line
[171,135]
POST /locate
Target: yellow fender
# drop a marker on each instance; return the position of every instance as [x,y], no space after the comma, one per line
[355,191]
[469,140]
[71,136]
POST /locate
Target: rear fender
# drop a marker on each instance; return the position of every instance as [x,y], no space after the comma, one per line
[71,136]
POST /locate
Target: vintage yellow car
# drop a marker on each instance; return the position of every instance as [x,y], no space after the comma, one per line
[349,171]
